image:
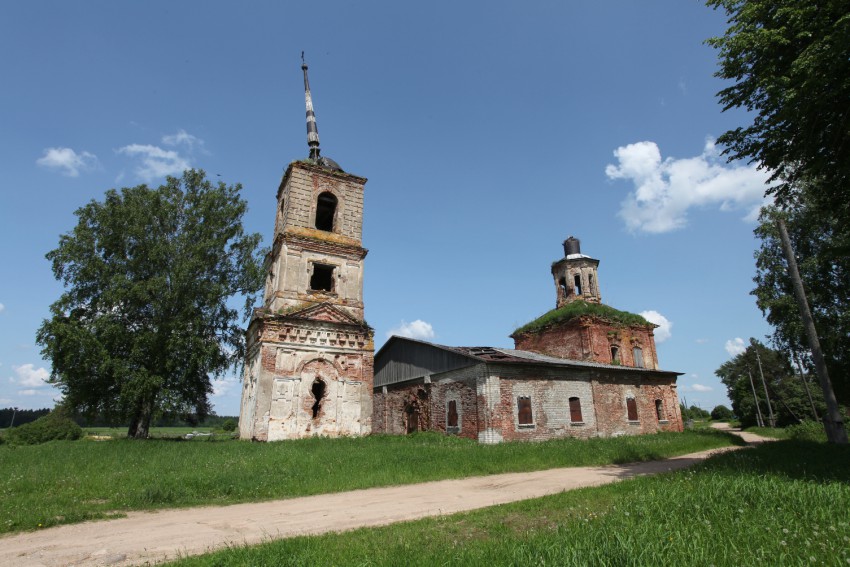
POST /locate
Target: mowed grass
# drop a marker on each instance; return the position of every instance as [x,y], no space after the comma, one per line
[64,482]
[783,503]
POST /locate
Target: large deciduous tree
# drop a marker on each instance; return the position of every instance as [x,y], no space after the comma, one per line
[790,64]
[145,320]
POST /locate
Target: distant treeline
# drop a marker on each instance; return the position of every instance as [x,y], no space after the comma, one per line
[26,416]
[21,416]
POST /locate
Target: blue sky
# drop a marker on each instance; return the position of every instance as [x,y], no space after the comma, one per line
[489,133]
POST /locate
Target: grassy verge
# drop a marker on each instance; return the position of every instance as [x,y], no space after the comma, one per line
[772,432]
[64,482]
[784,503]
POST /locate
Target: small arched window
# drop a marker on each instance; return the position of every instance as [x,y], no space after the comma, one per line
[631,409]
[451,413]
[524,415]
[577,281]
[562,284]
[325,211]
[638,354]
[615,354]
[575,410]
[659,410]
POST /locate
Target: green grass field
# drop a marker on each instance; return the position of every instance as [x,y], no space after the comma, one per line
[783,503]
[155,432]
[72,481]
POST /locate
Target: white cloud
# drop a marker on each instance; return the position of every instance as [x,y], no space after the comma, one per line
[223,386]
[418,329]
[665,326]
[67,160]
[666,189]
[31,392]
[701,388]
[29,375]
[156,162]
[735,346]
[182,137]
[2,308]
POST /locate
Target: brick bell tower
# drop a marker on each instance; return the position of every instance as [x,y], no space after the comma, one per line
[309,355]
[576,275]
[581,327]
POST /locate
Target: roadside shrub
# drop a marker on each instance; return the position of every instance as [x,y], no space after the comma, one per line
[807,431]
[721,413]
[53,426]
[229,425]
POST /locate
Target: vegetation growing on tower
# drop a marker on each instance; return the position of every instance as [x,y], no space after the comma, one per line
[581,308]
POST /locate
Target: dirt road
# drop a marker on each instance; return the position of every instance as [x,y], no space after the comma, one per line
[150,537]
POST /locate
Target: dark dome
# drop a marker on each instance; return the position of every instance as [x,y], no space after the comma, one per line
[328,163]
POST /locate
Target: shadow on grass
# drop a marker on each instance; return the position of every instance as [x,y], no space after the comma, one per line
[800,460]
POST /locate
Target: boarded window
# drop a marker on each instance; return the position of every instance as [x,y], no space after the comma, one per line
[524,410]
[659,410]
[325,211]
[451,414]
[575,410]
[322,278]
[638,353]
[631,407]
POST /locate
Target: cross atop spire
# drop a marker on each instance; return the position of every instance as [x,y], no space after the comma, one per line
[312,129]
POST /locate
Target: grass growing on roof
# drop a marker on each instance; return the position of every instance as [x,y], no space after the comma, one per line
[72,481]
[782,503]
[581,308]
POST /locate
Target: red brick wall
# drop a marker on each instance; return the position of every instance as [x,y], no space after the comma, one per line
[611,412]
[390,415]
[603,405]
[591,339]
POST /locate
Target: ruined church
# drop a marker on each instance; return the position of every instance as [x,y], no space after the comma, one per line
[583,369]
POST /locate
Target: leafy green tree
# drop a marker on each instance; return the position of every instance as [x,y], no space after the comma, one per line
[789,61]
[826,277]
[721,413]
[787,395]
[145,320]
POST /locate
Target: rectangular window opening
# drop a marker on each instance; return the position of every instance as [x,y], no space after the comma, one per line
[575,410]
[631,406]
[638,354]
[322,278]
[451,411]
[524,410]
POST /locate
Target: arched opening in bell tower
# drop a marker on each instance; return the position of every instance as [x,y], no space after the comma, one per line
[325,211]
[577,281]
[562,286]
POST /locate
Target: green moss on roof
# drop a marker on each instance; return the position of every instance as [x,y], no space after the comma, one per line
[578,309]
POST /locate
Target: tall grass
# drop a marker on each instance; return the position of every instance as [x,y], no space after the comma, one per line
[784,503]
[62,482]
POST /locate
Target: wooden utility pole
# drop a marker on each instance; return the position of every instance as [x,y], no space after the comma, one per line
[832,422]
[806,385]
[759,420]
[763,383]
